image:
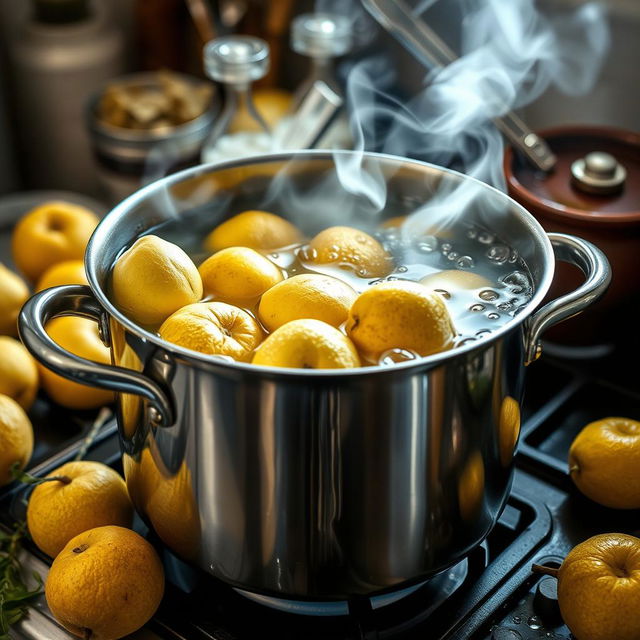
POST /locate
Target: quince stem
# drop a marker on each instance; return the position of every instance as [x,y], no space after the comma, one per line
[547,571]
[27,478]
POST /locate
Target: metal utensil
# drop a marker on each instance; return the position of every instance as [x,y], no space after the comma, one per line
[314,115]
[425,44]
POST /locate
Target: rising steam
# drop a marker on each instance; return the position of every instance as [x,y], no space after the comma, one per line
[510,55]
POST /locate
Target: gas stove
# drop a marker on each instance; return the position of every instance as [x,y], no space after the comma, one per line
[492,594]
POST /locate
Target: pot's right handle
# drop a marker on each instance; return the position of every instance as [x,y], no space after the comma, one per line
[78,300]
[595,266]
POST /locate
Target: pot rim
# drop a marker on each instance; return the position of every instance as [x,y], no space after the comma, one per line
[563,213]
[100,235]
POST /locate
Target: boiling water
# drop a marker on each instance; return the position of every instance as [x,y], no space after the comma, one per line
[453,261]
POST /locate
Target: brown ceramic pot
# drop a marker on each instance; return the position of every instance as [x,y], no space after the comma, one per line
[612,222]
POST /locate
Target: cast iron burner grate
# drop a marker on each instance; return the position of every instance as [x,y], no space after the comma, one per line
[211,610]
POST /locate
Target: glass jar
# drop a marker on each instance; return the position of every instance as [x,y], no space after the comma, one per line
[236,62]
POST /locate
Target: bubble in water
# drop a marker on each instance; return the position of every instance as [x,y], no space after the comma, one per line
[363,272]
[307,254]
[465,262]
[518,281]
[476,307]
[393,356]
[444,293]
[483,333]
[428,245]
[452,255]
[488,295]
[516,619]
[485,237]
[513,258]
[534,622]
[275,256]
[493,316]
[446,248]
[402,269]
[498,253]
[392,278]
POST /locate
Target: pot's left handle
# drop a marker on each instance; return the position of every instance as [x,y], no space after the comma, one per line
[78,300]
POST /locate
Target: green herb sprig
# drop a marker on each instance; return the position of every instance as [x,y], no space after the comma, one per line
[15,595]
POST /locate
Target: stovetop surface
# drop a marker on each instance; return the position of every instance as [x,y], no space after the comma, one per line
[492,594]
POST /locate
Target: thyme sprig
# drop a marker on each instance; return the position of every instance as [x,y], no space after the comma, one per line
[15,594]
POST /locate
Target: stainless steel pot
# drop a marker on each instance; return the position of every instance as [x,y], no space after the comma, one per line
[308,483]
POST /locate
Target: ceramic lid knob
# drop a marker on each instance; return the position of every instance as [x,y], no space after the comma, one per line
[598,172]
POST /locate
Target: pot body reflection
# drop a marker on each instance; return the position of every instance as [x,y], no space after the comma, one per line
[327,488]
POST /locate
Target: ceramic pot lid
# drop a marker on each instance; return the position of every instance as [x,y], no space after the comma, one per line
[596,179]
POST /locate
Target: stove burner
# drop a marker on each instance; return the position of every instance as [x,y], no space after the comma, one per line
[443,585]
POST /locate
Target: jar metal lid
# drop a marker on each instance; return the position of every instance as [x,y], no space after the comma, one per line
[236,59]
[321,35]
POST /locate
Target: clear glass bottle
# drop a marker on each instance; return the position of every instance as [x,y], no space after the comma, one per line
[236,62]
[323,37]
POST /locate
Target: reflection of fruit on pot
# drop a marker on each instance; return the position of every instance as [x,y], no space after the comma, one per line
[599,588]
[509,429]
[88,494]
[471,487]
[16,438]
[79,336]
[168,502]
[51,233]
[18,372]
[154,278]
[604,462]
[259,230]
[106,583]
[13,294]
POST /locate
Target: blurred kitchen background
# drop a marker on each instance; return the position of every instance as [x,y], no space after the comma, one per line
[57,53]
